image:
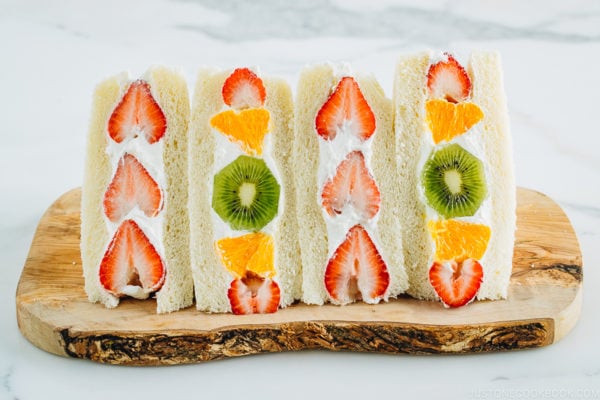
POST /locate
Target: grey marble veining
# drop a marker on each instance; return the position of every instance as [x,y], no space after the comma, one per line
[592,212]
[70,31]
[264,19]
[6,383]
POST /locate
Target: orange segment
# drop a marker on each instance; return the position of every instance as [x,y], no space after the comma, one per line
[247,128]
[457,240]
[252,252]
[447,120]
[262,262]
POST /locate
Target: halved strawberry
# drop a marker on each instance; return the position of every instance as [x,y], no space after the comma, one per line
[356,270]
[243,89]
[131,265]
[132,185]
[253,294]
[346,110]
[456,283]
[352,184]
[137,114]
[448,80]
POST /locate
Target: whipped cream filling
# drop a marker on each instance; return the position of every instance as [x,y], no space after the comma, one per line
[151,157]
[471,141]
[137,292]
[331,154]
[225,153]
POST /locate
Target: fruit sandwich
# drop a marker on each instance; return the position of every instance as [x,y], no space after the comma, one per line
[345,171]
[134,222]
[244,246]
[455,162]
[340,196]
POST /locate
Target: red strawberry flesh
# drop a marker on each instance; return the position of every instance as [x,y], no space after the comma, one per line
[131,186]
[356,270]
[243,89]
[253,294]
[137,113]
[346,110]
[448,80]
[456,284]
[352,185]
[131,260]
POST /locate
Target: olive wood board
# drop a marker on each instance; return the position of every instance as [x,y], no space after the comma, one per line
[543,305]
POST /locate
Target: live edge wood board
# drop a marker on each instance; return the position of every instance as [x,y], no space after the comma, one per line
[544,304]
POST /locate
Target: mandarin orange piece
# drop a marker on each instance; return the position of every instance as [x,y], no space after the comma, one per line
[447,120]
[262,261]
[246,128]
[252,252]
[458,240]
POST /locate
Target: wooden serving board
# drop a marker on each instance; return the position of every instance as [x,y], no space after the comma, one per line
[544,304]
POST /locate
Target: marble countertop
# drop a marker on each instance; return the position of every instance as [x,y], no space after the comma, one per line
[53,54]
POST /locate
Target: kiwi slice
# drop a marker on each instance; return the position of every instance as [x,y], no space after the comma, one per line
[454,182]
[246,194]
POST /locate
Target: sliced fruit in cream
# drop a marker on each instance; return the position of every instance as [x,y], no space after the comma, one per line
[251,252]
[137,113]
[131,265]
[456,283]
[243,89]
[253,294]
[454,182]
[356,270]
[346,110]
[458,240]
[246,128]
[352,185]
[246,194]
[448,80]
[447,120]
[132,186]
[454,185]
[448,84]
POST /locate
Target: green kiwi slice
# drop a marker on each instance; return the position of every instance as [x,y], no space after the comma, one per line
[246,194]
[454,182]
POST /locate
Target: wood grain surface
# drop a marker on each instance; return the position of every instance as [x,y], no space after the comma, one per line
[543,306]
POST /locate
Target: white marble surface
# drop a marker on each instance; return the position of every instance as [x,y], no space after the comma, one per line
[53,53]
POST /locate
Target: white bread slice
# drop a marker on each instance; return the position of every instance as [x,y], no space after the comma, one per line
[488,93]
[315,85]
[494,140]
[170,91]
[211,278]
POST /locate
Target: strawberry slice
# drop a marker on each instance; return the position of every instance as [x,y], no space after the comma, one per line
[346,110]
[137,114]
[356,270]
[131,265]
[448,80]
[243,89]
[352,184]
[253,294]
[132,185]
[456,283]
